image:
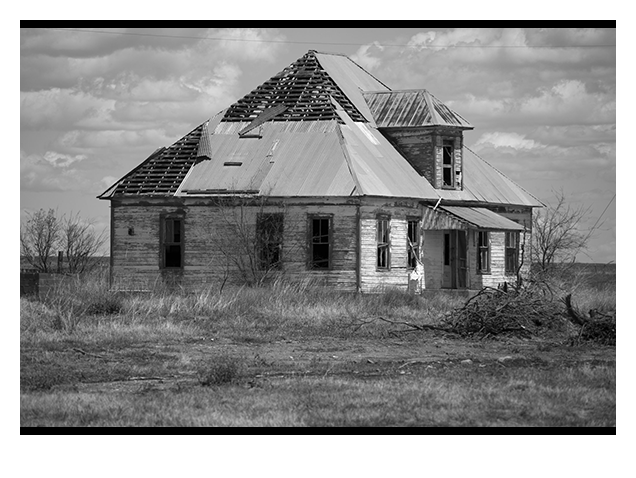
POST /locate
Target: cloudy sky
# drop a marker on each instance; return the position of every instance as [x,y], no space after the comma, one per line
[95,103]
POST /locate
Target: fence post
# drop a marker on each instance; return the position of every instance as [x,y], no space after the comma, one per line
[60,259]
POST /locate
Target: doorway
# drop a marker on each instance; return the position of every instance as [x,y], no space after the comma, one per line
[455,263]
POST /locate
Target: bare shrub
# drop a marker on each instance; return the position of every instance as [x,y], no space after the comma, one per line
[220,370]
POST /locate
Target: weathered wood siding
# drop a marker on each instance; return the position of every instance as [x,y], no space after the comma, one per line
[372,278]
[212,240]
[422,147]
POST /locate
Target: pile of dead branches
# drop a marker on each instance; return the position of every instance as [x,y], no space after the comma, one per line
[595,327]
[523,311]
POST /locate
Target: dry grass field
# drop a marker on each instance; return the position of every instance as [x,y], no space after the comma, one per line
[292,355]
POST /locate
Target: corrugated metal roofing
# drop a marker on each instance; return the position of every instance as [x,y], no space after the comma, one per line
[411,108]
[484,183]
[483,218]
[351,78]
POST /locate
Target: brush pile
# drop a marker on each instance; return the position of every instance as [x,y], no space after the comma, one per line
[597,327]
[523,311]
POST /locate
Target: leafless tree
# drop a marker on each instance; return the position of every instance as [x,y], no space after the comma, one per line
[249,236]
[43,233]
[557,235]
[39,238]
[81,243]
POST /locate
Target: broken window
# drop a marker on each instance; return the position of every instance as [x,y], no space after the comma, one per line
[172,242]
[483,252]
[269,230]
[413,240]
[320,242]
[383,242]
[448,163]
[512,252]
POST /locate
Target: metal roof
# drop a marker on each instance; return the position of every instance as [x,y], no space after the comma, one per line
[308,137]
[484,184]
[483,218]
[351,78]
[277,163]
[378,168]
[411,108]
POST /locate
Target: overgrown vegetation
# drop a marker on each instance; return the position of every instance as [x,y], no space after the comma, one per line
[291,354]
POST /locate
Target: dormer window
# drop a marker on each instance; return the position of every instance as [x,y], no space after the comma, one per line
[448,163]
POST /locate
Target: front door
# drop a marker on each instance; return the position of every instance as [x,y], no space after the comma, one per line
[455,263]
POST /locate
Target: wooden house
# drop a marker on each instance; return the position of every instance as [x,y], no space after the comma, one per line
[321,172]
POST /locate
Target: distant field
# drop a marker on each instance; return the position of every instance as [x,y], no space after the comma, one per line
[294,356]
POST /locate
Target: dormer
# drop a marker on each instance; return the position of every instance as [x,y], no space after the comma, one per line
[424,130]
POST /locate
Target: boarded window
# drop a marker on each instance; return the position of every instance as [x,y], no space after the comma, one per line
[383,242]
[172,242]
[483,252]
[413,240]
[512,252]
[269,230]
[320,243]
[448,163]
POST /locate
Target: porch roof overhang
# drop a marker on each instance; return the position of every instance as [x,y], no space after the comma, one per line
[461,217]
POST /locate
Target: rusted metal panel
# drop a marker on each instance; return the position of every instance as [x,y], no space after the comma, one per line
[411,108]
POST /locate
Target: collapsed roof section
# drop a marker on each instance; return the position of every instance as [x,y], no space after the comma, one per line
[302,91]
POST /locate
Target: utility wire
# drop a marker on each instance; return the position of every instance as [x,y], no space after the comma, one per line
[599,218]
[157,35]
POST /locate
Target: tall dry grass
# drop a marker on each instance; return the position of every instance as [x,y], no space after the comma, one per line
[85,308]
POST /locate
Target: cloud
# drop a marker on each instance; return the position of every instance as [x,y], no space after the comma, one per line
[58,160]
[44,173]
[252,44]
[364,56]
[512,140]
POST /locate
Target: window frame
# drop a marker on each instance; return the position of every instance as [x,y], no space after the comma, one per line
[413,247]
[262,219]
[164,243]
[507,248]
[386,246]
[448,144]
[483,248]
[310,241]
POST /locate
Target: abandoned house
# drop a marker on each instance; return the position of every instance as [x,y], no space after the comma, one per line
[321,172]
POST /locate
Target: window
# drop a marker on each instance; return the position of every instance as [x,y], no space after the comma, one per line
[382,239]
[413,242]
[172,242]
[512,252]
[448,162]
[320,243]
[269,230]
[483,252]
